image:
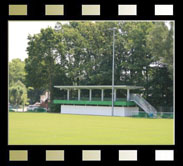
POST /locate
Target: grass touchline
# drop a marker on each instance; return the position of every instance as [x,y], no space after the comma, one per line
[60,129]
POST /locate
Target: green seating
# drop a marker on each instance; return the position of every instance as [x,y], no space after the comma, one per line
[98,103]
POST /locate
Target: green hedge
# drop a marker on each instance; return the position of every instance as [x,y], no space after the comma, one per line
[159,115]
[37,110]
[11,111]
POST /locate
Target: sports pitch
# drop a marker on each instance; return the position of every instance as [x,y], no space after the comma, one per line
[60,129]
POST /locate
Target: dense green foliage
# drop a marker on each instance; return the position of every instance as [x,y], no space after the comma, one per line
[16,71]
[18,94]
[39,109]
[17,89]
[80,53]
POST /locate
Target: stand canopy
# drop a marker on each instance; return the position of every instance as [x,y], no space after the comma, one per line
[101,87]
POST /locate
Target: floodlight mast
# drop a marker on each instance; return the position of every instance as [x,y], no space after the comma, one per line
[113,29]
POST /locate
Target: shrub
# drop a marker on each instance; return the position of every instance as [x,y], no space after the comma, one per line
[54,107]
[40,109]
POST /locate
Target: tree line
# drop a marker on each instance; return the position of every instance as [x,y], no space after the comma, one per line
[80,53]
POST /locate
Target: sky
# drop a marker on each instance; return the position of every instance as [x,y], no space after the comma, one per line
[18,33]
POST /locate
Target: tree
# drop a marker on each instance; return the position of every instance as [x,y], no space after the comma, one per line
[18,94]
[34,94]
[16,71]
[81,53]
[40,64]
[45,60]
[135,58]
[160,42]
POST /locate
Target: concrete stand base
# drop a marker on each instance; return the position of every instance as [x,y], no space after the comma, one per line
[99,110]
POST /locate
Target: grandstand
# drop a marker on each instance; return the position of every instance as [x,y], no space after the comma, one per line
[123,107]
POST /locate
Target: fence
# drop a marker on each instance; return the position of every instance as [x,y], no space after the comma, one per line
[167,115]
[164,109]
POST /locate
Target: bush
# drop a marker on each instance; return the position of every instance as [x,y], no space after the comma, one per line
[54,107]
[30,111]
[11,111]
[39,109]
[168,116]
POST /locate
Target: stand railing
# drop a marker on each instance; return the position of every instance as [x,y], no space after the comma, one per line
[144,104]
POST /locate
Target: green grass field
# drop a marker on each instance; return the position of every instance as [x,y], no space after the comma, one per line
[60,129]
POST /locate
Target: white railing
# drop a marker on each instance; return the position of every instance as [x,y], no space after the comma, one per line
[144,104]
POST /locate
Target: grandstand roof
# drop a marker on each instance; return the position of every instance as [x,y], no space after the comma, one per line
[99,87]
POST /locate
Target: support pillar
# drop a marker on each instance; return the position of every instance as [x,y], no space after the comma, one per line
[68,90]
[102,94]
[114,94]
[128,94]
[90,94]
[79,94]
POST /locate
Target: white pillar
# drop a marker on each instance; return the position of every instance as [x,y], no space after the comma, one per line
[128,94]
[102,94]
[68,90]
[114,94]
[90,94]
[79,94]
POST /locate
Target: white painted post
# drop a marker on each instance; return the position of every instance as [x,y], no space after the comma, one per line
[68,90]
[79,94]
[128,94]
[114,94]
[90,95]
[102,94]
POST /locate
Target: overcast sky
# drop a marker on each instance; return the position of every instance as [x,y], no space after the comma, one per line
[18,33]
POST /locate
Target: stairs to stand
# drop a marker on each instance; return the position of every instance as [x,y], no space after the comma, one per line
[144,104]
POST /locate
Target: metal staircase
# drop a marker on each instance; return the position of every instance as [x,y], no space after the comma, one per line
[144,104]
